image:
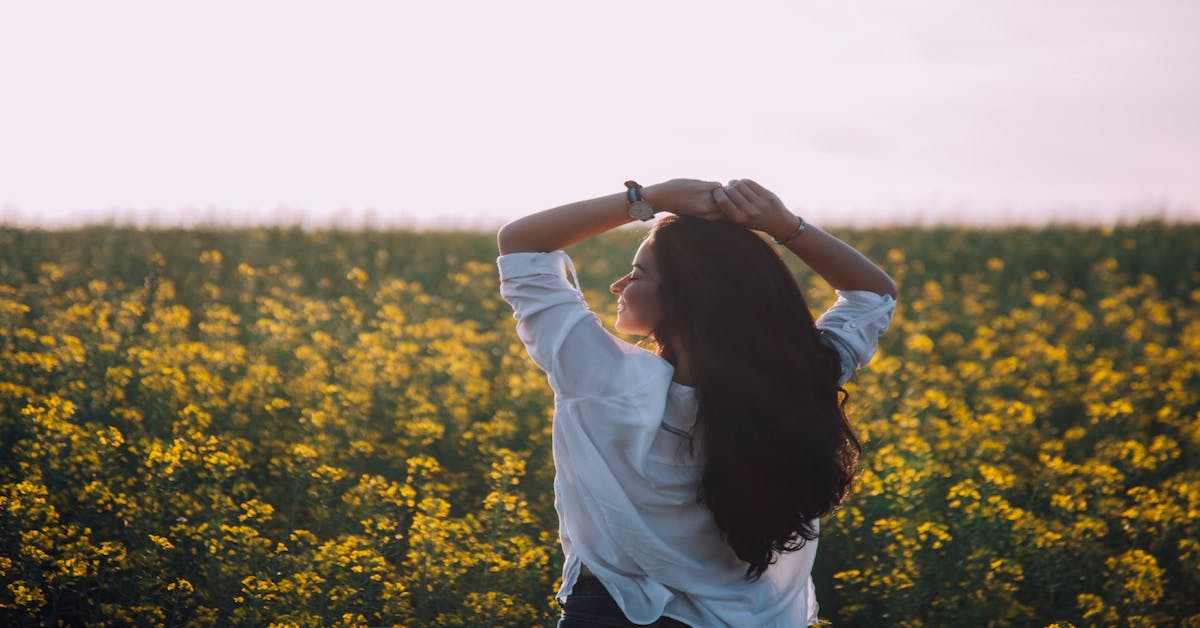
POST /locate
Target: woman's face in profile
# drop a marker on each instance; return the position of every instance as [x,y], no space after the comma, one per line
[638,308]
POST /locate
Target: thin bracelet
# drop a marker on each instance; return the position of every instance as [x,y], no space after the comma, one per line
[792,236]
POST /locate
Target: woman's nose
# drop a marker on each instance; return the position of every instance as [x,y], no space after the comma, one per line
[616,286]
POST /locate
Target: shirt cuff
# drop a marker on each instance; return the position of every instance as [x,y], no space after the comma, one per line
[864,297]
[527,263]
[856,308]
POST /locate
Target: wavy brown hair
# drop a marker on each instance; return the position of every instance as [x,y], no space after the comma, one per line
[777,449]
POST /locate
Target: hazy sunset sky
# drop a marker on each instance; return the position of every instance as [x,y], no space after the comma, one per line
[471,113]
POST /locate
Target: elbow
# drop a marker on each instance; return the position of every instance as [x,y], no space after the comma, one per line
[890,288]
[883,285]
[509,238]
[504,238]
[519,236]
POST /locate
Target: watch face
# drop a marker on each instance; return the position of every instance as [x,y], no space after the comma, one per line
[641,210]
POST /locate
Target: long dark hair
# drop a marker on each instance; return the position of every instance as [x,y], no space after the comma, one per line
[777,449]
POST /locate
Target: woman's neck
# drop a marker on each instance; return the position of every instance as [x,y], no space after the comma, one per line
[683,372]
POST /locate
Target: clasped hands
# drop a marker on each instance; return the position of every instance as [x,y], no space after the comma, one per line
[741,201]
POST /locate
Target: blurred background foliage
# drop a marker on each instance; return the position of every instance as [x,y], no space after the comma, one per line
[274,425]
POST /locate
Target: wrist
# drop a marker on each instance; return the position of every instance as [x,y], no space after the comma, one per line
[789,228]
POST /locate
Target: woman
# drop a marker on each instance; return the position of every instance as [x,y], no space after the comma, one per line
[689,481]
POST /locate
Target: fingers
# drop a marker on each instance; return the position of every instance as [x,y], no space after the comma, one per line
[726,205]
[744,209]
[746,203]
[742,194]
[739,203]
[758,189]
[743,187]
[707,200]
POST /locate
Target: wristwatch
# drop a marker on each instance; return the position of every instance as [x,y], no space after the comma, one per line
[638,207]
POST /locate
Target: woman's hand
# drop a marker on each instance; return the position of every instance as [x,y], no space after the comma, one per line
[750,205]
[687,197]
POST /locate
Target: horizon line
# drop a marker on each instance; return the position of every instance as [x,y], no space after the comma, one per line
[348,218]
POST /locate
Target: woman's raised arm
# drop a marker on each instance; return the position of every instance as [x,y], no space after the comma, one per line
[560,227]
[751,205]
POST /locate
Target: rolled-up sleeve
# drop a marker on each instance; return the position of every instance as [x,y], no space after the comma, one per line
[565,338]
[853,326]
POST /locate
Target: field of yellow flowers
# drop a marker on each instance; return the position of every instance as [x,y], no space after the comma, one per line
[341,428]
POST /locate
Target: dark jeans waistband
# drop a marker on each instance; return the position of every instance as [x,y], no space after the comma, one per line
[590,606]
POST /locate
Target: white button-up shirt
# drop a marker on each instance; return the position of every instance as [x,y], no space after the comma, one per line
[625,483]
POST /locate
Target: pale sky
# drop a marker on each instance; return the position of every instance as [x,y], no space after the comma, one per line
[472,113]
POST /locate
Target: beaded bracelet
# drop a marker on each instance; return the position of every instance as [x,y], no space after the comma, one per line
[792,236]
